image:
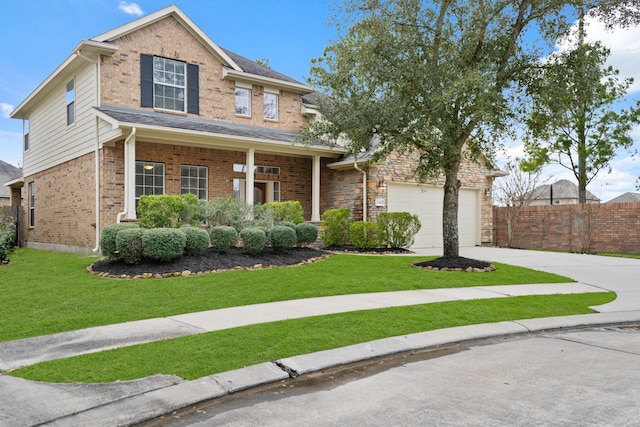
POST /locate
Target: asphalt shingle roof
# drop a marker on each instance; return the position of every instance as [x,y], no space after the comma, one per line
[562,189]
[626,198]
[8,172]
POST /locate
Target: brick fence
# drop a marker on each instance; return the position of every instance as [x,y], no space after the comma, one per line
[611,227]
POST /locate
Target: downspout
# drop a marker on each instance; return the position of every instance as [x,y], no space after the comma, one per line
[364,191]
[127,178]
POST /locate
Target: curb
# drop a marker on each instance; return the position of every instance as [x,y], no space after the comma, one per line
[157,403]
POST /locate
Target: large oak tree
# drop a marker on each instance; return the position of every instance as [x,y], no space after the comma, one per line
[437,77]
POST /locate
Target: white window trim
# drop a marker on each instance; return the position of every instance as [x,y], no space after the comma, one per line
[164,177]
[184,87]
[277,96]
[68,102]
[248,101]
[206,182]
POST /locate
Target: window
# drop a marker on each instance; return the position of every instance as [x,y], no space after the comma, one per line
[169,85]
[241,167]
[270,106]
[32,204]
[149,179]
[25,134]
[71,100]
[243,102]
[193,179]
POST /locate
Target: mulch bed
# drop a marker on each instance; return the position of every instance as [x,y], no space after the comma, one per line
[455,264]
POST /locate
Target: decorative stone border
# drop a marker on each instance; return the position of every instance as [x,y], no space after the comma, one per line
[491,267]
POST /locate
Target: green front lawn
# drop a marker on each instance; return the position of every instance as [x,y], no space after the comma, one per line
[45,292]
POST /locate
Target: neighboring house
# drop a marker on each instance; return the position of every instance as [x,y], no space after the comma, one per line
[156,107]
[626,198]
[8,173]
[562,192]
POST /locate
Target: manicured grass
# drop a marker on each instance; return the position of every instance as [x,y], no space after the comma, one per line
[45,292]
[201,355]
[619,255]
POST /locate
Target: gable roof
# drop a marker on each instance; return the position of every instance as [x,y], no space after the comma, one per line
[8,172]
[626,198]
[562,189]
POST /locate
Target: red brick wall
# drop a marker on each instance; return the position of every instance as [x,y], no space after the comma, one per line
[608,227]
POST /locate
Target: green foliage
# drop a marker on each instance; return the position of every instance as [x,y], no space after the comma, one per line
[164,244]
[364,234]
[287,211]
[7,234]
[262,216]
[169,210]
[398,229]
[267,233]
[336,226]
[306,234]
[197,240]
[287,224]
[254,239]
[108,238]
[576,120]
[223,237]
[228,211]
[282,237]
[129,244]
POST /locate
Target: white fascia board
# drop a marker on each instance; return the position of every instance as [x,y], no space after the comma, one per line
[64,70]
[347,163]
[174,11]
[265,81]
[16,182]
[224,140]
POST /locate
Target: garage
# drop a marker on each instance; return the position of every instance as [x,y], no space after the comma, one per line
[426,203]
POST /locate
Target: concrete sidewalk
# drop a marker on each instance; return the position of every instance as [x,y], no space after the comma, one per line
[125,403]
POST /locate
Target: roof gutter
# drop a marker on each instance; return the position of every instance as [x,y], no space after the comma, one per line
[127,177]
[364,191]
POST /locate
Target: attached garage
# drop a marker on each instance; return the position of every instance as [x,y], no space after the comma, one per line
[426,202]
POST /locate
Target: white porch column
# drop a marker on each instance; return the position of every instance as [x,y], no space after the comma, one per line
[315,190]
[250,174]
[130,175]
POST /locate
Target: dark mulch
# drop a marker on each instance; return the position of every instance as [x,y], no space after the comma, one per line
[211,260]
[453,263]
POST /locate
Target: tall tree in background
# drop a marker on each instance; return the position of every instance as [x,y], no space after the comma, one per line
[574,121]
[436,78]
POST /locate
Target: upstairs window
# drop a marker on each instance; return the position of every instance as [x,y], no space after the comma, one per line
[243,102]
[71,100]
[25,134]
[270,106]
[167,84]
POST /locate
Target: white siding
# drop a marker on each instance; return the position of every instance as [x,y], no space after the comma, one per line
[51,141]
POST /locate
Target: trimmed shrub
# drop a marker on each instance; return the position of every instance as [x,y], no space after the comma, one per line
[254,239]
[7,234]
[197,240]
[129,244]
[398,229]
[164,244]
[336,226]
[364,234]
[169,210]
[223,237]
[108,238]
[287,224]
[267,233]
[282,237]
[306,234]
[287,211]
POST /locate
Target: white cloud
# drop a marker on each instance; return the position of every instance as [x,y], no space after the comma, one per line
[5,109]
[130,8]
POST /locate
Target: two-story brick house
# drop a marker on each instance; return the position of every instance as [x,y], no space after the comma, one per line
[155,106]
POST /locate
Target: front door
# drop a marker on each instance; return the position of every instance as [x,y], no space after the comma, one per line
[260,192]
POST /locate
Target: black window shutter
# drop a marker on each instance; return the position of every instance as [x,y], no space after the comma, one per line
[193,89]
[146,80]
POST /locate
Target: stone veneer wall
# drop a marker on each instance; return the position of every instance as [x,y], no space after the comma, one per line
[608,227]
[120,78]
[345,190]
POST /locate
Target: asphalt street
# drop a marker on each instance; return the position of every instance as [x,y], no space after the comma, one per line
[570,378]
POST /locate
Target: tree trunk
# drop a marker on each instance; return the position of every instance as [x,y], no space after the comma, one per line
[450,238]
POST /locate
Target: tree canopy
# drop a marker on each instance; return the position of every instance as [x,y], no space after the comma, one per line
[438,78]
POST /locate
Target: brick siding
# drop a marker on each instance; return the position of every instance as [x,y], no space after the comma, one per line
[610,227]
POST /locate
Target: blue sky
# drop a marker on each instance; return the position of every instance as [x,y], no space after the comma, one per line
[38,35]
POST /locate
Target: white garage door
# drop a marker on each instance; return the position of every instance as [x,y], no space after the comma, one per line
[426,202]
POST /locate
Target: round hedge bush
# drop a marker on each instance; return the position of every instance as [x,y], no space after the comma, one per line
[223,237]
[108,238]
[129,246]
[306,233]
[254,239]
[164,244]
[197,240]
[283,237]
